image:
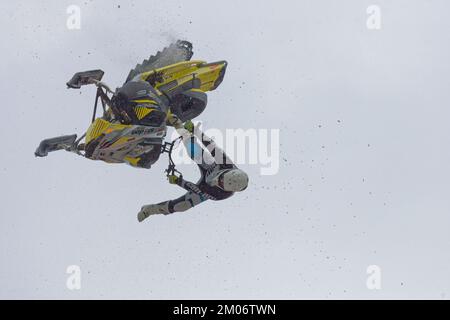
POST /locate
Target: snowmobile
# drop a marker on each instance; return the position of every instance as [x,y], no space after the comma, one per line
[135,116]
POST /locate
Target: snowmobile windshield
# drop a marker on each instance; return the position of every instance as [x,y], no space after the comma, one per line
[136,90]
[138,101]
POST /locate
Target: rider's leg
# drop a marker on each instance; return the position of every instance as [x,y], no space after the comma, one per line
[183,203]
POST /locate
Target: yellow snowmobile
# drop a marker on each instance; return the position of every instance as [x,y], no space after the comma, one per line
[135,117]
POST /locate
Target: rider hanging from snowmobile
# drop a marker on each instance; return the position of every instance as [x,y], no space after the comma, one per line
[219,179]
[167,89]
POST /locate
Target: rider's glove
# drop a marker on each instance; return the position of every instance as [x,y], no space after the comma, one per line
[189,126]
[173,179]
[173,120]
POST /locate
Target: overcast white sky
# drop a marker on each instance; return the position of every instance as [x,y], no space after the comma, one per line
[364,158]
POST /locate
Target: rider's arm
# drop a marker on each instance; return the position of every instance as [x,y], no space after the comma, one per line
[218,154]
[185,184]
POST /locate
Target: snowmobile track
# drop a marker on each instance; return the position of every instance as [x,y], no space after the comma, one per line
[174,53]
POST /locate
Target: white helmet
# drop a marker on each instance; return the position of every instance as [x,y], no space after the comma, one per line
[232,180]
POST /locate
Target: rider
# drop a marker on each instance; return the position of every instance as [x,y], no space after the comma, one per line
[220,177]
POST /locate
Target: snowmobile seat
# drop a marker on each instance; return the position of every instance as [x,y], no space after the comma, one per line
[188,105]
